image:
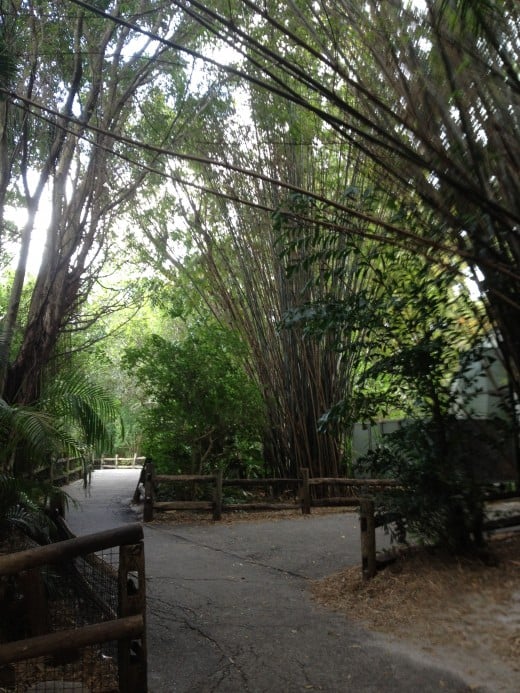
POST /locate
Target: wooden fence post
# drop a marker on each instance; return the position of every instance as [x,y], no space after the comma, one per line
[305,492]
[137,493]
[368,538]
[217,496]
[132,652]
[149,491]
[35,597]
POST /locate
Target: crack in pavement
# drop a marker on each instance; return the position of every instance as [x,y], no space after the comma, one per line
[228,660]
[167,607]
[245,559]
[231,663]
[309,685]
[183,580]
[163,611]
[227,621]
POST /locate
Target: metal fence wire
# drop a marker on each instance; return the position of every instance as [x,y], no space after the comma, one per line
[62,596]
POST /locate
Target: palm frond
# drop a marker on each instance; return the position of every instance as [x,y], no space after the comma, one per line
[83,405]
[29,431]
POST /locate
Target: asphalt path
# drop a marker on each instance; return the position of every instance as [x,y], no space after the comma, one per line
[229,609]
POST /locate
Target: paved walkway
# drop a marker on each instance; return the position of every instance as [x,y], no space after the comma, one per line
[229,609]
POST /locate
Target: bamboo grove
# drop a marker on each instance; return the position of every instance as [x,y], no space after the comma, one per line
[298,153]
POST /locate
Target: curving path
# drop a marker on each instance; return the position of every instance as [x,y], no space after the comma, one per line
[228,609]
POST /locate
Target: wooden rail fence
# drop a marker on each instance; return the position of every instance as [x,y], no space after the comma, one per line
[127,628]
[369,521]
[302,489]
[118,462]
[64,470]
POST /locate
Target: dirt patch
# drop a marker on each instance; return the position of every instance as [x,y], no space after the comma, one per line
[463,613]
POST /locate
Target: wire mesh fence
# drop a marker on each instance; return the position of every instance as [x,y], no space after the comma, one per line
[89,670]
[69,597]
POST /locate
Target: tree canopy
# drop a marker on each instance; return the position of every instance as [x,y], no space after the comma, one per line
[325,176]
[74,82]
[428,91]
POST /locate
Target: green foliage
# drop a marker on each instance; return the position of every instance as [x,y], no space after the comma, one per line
[73,414]
[432,332]
[22,507]
[435,456]
[411,328]
[26,434]
[418,334]
[439,499]
[410,331]
[429,90]
[8,65]
[202,409]
[83,408]
[5,288]
[469,15]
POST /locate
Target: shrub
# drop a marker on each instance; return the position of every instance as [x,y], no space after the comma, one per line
[439,498]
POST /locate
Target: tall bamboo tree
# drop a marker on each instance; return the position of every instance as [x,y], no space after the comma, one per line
[249,258]
[429,91]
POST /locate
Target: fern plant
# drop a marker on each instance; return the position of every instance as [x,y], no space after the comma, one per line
[22,507]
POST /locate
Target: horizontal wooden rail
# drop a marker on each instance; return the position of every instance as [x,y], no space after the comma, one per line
[117,462]
[335,502]
[262,506]
[355,483]
[66,474]
[502,523]
[261,482]
[501,495]
[208,478]
[368,520]
[63,469]
[181,478]
[127,621]
[76,638]
[303,485]
[10,564]
[183,505]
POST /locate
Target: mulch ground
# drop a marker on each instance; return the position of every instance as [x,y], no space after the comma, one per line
[463,610]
